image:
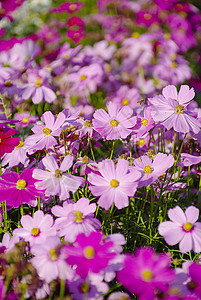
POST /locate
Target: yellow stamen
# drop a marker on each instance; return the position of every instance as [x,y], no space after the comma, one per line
[173,65]
[144,122]
[148,169]
[147,16]
[83,77]
[147,275]
[87,124]
[140,142]
[125,101]
[72,7]
[47,131]
[79,217]
[135,34]
[21,143]
[84,287]
[85,160]
[58,173]
[0,140]
[114,183]
[89,252]
[21,184]
[35,231]
[167,35]
[53,254]
[188,226]
[114,123]
[179,109]
[25,120]
[38,82]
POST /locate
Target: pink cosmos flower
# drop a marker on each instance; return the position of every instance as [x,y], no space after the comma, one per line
[118,296]
[75,218]
[127,97]
[146,273]
[114,184]
[37,229]
[151,170]
[146,122]
[182,229]
[171,110]
[55,181]
[189,160]
[18,188]
[44,135]
[119,122]
[25,119]
[8,242]
[89,253]
[7,142]
[49,260]
[37,89]
[18,155]
[67,7]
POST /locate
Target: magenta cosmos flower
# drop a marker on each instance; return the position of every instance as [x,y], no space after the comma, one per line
[90,253]
[49,260]
[171,110]
[146,273]
[114,184]
[75,218]
[37,229]
[7,142]
[44,135]
[55,180]
[119,122]
[151,170]
[19,188]
[182,229]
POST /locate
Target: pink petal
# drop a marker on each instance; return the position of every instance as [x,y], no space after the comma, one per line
[185,94]
[192,214]
[171,232]
[48,118]
[177,215]
[50,163]
[186,243]
[66,163]
[170,91]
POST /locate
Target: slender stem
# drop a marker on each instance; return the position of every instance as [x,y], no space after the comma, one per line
[112,151]
[92,152]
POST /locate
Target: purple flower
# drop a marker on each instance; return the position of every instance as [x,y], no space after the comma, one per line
[49,260]
[119,122]
[151,170]
[182,229]
[89,253]
[35,230]
[75,218]
[44,135]
[55,181]
[171,109]
[146,273]
[114,184]
[18,188]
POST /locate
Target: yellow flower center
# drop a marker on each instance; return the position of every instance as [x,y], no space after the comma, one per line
[89,252]
[125,101]
[83,77]
[87,124]
[35,231]
[53,254]
[114,123]
[79,216]
[141,142]
[58,173]
[0,140]
[114,183]
[147,275]
[144,122]
[46,131]
[147,16]
[21,184]
[135,34]
[148,169]
[25,120]
[188,226]
[173,56]
[76,35]
[21,143]
[84,287]
[167,35]
[38,82]
[179,109]
[85,160]
[174,64]
[72,7]
[124,298]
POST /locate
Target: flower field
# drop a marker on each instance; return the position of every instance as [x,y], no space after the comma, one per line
[100,150]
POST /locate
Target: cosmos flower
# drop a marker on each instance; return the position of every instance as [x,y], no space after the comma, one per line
[114,184]
[18,188]
[182,229]
[37,229]
[171,109]
[55,180]
[75,218]
[7,142]
[119,122]
[146,273]
[89,253]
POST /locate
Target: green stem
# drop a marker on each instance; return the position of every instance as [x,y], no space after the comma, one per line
[112,151]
